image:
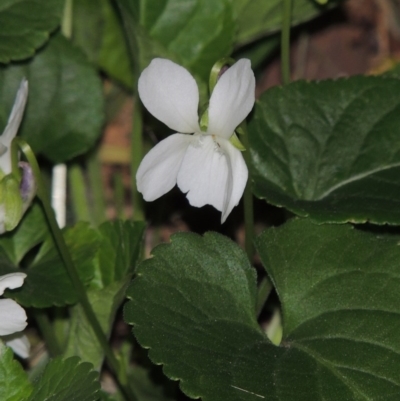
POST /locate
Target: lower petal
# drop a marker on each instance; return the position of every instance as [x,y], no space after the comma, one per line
[19,344]
[204,173]
[158,170]
[238,176]
[12,317]
[213,173]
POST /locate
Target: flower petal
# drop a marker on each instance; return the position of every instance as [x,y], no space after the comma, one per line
[232,99]
[19,344]
[11,280]
[158,170]
[28,185]
[12,126]
[213,173]
[170,94]
[12,317]
[237,179]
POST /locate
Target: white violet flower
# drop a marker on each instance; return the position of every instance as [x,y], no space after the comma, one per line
[12,126]
[205,165]
[15,196]
[13,316]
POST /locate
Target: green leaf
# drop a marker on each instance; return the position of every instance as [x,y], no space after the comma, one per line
[30,232]
[99,33]
[115,261]
[120,251]
[48,282]
[81,339]
[66,380]
[193,305]
[14,383]
[26,25]
[193,33]
[143,387]
[256,18]
[333,282]
[64,114]
[330,149]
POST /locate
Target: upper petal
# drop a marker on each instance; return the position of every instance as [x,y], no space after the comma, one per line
[238,175]
[12,317]
[170,94]
[11,280]
[212,173]
[232,99]
[12,126]
[158,170]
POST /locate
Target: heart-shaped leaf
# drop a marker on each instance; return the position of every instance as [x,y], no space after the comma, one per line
[26,25]
[64,113]
[330,150]
[193,305]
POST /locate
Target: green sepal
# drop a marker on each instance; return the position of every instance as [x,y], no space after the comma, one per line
[240,130]
[204,121]
[235,141]
[11,201]
[216,69]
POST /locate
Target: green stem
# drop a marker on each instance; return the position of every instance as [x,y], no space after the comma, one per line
[78,193]
[264,289]
[46,328]
[72,271]
[137,155]
[96,187]
[248,199]
[66,23]
[285,40]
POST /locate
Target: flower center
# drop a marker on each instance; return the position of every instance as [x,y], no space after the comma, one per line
[201,142]
[217,146]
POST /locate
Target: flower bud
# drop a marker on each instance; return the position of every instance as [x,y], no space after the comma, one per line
[17,188]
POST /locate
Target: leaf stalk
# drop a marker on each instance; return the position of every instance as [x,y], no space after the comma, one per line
[72,271]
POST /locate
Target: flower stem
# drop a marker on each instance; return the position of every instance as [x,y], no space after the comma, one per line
[46,328]
[285,41]
[264,289]
[137,155]
[66,23]
[72,271]
[248,199]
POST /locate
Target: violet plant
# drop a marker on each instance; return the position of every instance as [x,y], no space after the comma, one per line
[305,309]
